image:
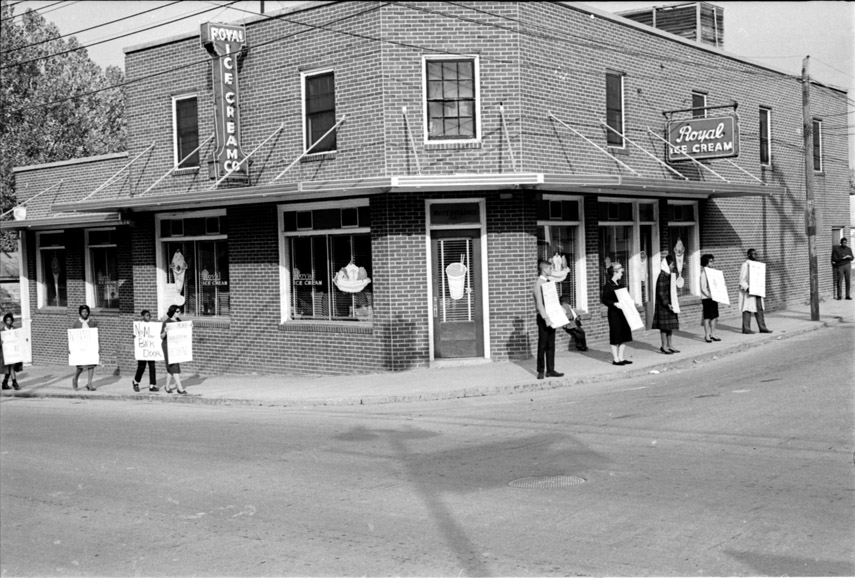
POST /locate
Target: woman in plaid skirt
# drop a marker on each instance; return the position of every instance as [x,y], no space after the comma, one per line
[664,318]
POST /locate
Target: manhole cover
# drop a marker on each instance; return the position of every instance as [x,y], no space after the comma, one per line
[539,482]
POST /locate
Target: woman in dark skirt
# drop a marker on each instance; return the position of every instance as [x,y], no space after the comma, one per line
[173,370]
[710,307]
[619,332]
[664,318]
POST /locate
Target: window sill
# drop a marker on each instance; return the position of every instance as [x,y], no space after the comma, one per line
[313,158]
[52,310]
[439,145]
[185,171]
[300,326]
[618,151]
[104,312]
[217,322]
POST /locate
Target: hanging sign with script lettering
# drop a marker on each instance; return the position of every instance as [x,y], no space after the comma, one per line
[703,138]
[224,42]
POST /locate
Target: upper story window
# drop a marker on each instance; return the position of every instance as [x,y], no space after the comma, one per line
[52,272]
[102,269]
[614,109]
[451,104]
[699,103]
[817,146]
[765,136]
[319,111]
[186,131]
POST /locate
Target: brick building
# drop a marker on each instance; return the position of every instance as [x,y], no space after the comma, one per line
[360,186]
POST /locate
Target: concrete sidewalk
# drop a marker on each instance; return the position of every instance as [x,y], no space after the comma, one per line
[465,380]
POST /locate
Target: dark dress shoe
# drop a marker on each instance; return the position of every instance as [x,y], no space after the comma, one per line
[154,388]
[6,386]
[15,386]
[765,331]
[182,391]
[747,332]
[626,362]
[136,386]
[849,299]
[617,362]
[665,351]
[540,375]
[715,338]
[554,374]
[672,350]
[90,388]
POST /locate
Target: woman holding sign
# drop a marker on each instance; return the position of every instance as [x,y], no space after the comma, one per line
[664,316]
[710,306]
[86,322]
[9,369]
[173,370]
[619,332]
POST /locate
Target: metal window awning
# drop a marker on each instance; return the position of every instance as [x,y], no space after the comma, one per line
[66,221]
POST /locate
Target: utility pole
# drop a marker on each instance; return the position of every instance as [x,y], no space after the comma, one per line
[810,209]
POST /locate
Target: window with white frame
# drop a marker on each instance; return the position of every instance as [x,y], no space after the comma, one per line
[560,240]
[683,244]
[817,145]
[699,103]
[319,110]
[52,272]
[326,261]
[765,136]
[452,107]
[102,269]
[193,263]
[614,109]
[628,234]
[185,121]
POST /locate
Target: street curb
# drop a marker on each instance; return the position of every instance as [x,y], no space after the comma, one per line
[478,391]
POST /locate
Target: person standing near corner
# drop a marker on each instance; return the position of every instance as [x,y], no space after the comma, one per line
[709,307]
[84,322]
[9,369]
[749,304]
[664,317]
[141,364]
[545,333]
[173,370]
[619,332]
[841,261]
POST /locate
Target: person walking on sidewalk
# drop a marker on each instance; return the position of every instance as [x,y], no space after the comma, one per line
[9,369]
[841,261]
[84,322]
[545,333]
[141,363]
[619,332]
[709,315]
[748,303]
[664,317]
[173,370]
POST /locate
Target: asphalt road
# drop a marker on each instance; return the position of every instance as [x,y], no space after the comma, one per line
[736,467]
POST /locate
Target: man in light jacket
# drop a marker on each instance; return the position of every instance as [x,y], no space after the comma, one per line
[748,303]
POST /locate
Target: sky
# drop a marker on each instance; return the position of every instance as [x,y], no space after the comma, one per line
[774,34]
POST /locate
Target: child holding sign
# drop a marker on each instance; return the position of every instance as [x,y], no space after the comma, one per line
[141,363]
[84,322]
[173,370]
[9,368]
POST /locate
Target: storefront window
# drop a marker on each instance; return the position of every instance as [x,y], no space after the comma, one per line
[628,234]
[327,252]
[53,283]
[682,235]
[10,268]
[102,275]
[559,240]
[195,257]
[615,247]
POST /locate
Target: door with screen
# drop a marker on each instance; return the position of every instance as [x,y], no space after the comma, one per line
[458,324]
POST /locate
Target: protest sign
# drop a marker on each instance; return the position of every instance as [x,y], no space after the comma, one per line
[179,341]
[13,346]
[757,278]
[675,299]
[718,289]
[83,346]
[555,315]
[629,310]
[147,343]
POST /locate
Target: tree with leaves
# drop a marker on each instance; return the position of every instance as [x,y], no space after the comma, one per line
[56,103]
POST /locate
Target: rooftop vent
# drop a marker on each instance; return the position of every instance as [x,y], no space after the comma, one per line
[700,22]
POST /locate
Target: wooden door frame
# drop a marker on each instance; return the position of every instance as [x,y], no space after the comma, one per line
[485,288]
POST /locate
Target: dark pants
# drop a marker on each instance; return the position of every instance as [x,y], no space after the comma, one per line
[141,369]
[761,319]
[578,335]
[545,346]
[841,274]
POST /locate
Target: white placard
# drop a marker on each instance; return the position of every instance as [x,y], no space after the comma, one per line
[83,346]
[555,315]
[13,346]
[718,288]
[147,342]
[757,278]
[629,310]
[179,341]
[675,299]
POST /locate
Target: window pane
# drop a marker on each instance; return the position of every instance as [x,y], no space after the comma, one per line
[180,278]
[615,247]
[105,276]
[213,278]
[451,99]
[187,127]
[54,277]
[817,146]
[614,109]
[681,249]
[557,244]
[320,112]
[764,136]
[699,101]
[310,277]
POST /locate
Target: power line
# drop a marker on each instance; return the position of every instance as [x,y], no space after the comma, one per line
[90,28]
[113,38]
[36,10]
